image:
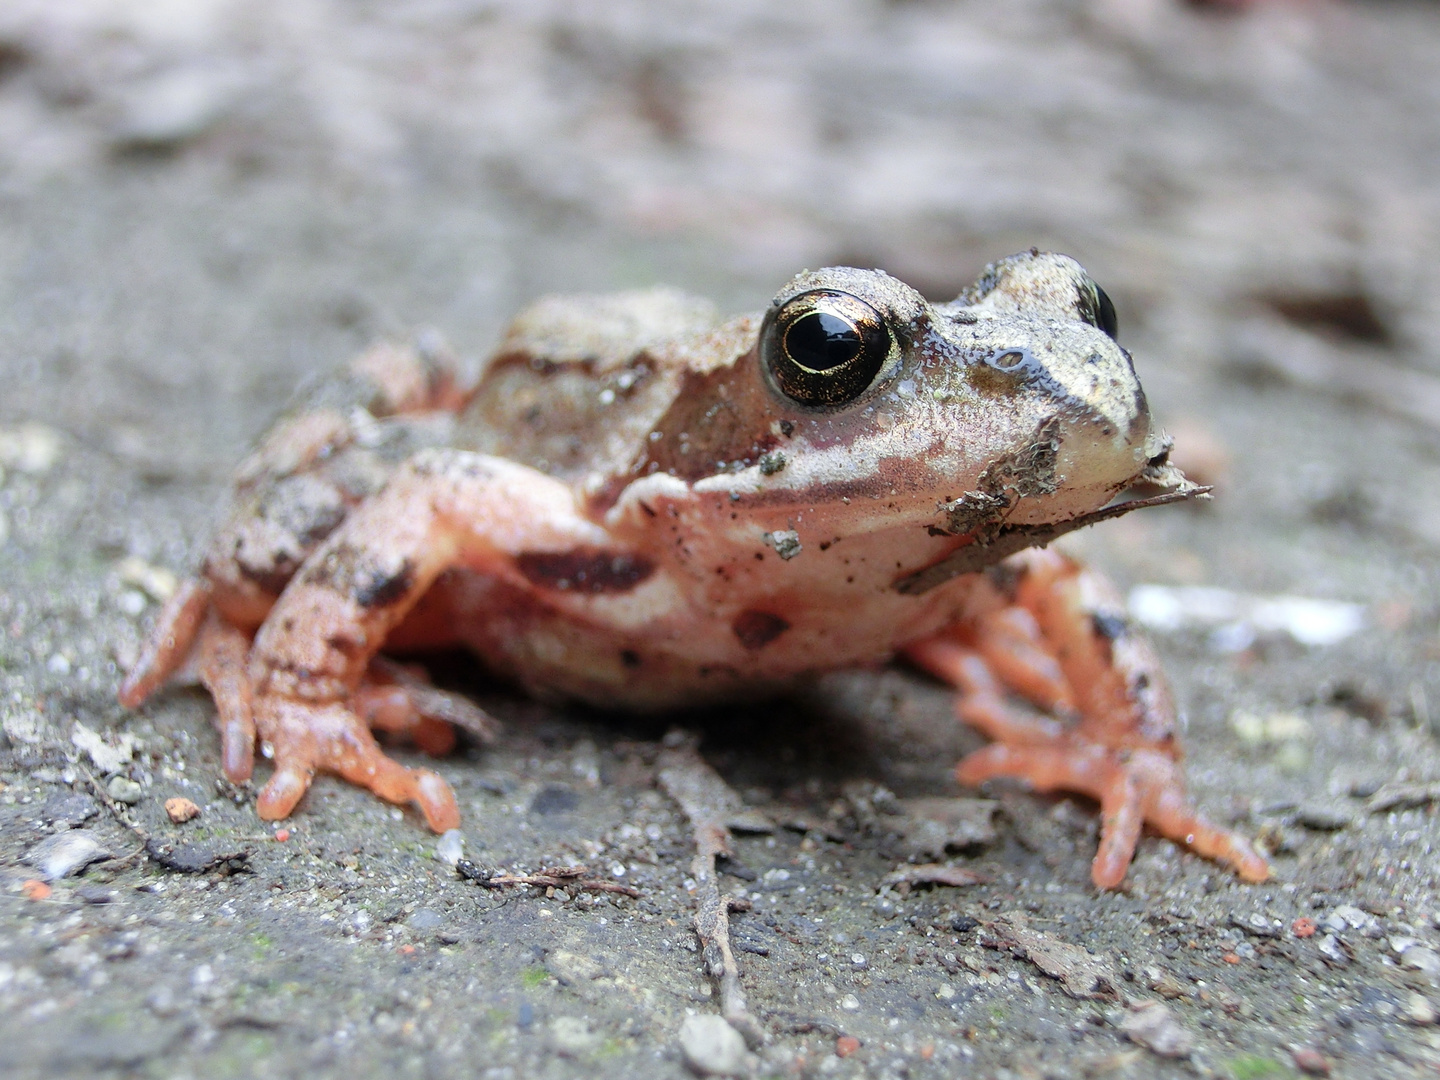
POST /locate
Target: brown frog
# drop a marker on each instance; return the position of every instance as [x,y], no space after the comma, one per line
[640,505]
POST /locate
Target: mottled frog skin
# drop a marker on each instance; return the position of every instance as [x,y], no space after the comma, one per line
[642,505]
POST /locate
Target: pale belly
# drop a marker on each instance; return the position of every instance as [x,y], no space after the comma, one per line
[572,647]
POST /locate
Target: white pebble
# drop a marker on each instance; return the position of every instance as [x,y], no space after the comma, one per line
[712,1047]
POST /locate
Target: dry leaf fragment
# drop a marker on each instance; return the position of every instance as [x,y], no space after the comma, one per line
[1080,974]
[906,876]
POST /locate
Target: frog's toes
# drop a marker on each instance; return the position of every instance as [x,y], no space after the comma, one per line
[306,737]
[168,644]
[398,700]
[223,650]
[1134,788]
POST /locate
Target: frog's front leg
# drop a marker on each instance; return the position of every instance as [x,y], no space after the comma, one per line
[443,508]
[1058,637]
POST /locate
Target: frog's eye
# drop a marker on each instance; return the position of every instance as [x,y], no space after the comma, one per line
[825,348]
[1099,310]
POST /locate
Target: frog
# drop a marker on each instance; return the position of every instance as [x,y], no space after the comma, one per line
[638,504]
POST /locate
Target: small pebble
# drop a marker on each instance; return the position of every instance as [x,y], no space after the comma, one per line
[712,1047]
[1311,1062]
[29,448]
[571,1036]
[1153,1026]
[1422,959]
[1303,927]
[35,890]
[1348,916]
[1165,984]
[124,790]
[1418,1010]
[158,582]
[163,1001]
[450,848]
[1324,818]
[1335,950]
[181,810]
[69,809]
[425,919]
[1256,924]
[846,1045]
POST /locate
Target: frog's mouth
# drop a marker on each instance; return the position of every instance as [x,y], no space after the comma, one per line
[992,541]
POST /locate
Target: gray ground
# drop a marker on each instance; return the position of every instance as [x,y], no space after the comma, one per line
[202,202]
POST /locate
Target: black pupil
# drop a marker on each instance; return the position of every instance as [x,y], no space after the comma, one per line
[822,342]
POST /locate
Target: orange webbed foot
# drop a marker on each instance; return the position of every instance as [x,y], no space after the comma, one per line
[305,737]
[1134,789]
[1061,641]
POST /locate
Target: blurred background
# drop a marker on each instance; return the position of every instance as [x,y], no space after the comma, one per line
[203,202]
[202,199]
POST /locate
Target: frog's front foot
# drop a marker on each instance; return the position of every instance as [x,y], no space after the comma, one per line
[304,737]
[1056,634]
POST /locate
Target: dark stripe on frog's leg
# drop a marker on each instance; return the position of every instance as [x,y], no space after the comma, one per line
[336,446]
[441,509]
[359,575]
[585,570]
[756,629]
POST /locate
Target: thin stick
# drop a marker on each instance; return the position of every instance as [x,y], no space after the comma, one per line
[708,803]
[118,814]
[564,877]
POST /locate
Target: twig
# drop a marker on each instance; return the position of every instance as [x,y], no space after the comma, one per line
[708,803]
[188,859]
[118,814]
[555,877]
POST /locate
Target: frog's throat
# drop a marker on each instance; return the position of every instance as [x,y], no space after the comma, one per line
[993,543]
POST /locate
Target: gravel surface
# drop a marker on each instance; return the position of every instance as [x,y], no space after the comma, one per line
[204,202]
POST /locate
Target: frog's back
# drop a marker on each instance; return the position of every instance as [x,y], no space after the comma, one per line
[579,382]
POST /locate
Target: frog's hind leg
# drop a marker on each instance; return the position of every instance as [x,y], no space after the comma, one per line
[1060,639]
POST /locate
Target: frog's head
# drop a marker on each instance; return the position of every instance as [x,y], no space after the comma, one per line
[1012,407]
